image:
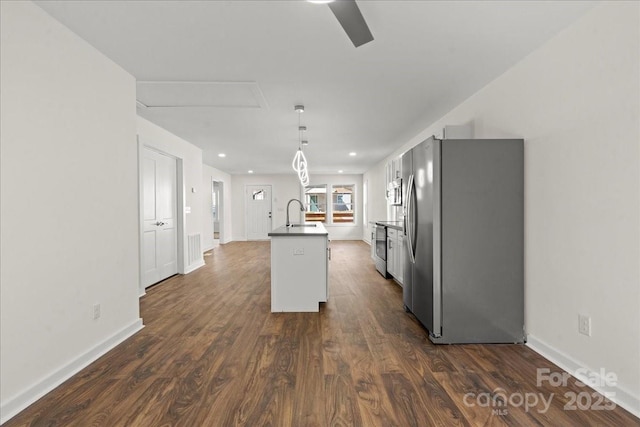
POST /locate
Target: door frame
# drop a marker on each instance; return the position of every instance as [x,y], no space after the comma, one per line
[180,216]
[220,210]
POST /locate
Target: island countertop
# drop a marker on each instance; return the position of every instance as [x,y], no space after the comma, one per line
[308,229]
[391,224]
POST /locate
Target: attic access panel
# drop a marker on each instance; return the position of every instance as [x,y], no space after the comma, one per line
[180,94]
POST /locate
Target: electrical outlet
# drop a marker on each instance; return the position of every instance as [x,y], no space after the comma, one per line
[584,325]
[96,311]
[298,251]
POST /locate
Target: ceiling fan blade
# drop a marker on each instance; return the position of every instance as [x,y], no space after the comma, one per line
[348,14]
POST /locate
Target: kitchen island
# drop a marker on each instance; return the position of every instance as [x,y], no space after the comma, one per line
[299,267]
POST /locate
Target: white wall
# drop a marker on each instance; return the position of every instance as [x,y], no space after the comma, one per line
[283,188]
[69,226]
[152,135]
[343,231]
[575,101]
[210,174]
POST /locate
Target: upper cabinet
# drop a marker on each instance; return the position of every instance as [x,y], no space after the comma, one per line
[393,170]
[393,184]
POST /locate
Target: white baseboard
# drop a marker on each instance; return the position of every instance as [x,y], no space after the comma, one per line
[193,267]
[617,394]
[11,407]
[208,248]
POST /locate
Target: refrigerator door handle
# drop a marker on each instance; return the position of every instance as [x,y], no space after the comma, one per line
[437,240]
[410,220]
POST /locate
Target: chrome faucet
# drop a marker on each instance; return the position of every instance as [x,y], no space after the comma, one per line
[301,209]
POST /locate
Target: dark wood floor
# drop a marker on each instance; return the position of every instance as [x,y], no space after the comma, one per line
[212,354]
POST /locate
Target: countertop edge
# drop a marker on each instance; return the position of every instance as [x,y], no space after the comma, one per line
[284,231]
[389,224]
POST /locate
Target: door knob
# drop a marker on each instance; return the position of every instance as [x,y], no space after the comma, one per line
[160,224]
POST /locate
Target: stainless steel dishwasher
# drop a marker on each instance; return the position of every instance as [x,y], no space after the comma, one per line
[381,250]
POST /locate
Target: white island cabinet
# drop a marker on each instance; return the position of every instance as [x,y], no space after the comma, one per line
[299,267]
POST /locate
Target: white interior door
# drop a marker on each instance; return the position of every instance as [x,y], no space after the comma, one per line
[159,242]
[258,206]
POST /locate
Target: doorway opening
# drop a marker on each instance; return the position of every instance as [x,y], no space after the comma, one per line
[217,216]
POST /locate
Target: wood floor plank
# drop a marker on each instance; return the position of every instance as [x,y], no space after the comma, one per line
[213,354]
[334,360]
[309,374]
[267,399]
[375,408]
[407,402]
[253,391]
[108,411]
[377,342]
[341,404]
[464,389]
[145,408]
[438,406]
[69,409]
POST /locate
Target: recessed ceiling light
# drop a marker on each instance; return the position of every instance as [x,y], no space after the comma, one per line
[353,153]
[299,108]
[250,171]
[222,155]
[340,171]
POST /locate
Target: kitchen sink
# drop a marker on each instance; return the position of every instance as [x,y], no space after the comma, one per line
[303,225]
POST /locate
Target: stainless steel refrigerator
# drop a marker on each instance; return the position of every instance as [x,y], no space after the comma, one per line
[463,212]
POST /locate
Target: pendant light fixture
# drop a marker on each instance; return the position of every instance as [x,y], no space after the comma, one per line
[299,163]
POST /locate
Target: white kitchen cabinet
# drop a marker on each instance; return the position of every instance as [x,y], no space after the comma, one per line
[392,249]
[392,173]
[395,253]
[400,258]
[394,169]
[299,268]
[373,241]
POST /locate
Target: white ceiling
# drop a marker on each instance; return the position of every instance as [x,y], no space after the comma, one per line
[263,57]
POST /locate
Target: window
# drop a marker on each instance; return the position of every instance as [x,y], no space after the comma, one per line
[258,195]
[315,203]
[342,204]
[330,204]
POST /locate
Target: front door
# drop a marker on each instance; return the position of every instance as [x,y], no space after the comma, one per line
[258,206]
[159,242]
